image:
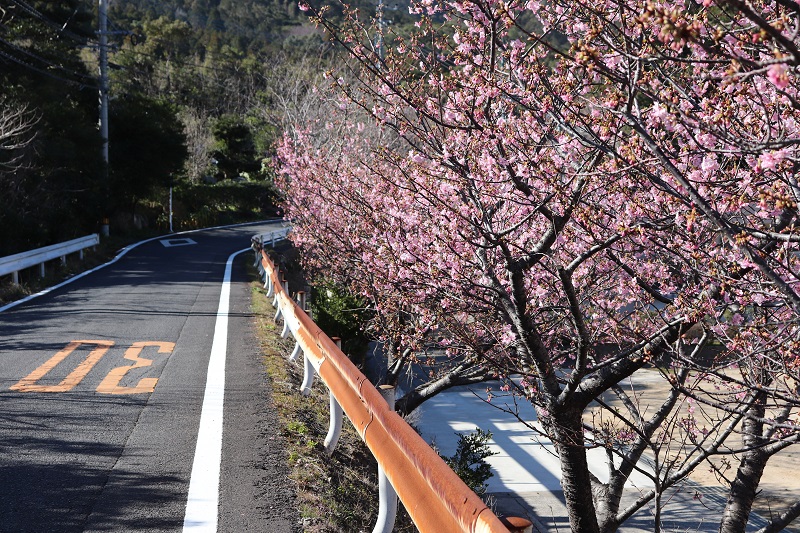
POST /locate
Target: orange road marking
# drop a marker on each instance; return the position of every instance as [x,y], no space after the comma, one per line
[28,384]
[111,383]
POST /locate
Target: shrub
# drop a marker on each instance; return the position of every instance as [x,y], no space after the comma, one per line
[469,461]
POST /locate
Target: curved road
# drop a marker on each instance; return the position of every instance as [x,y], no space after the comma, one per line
[102,384]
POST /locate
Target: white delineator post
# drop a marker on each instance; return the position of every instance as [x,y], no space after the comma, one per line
[297,349]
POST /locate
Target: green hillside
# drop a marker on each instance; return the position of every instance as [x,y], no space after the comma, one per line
[246,26]
[198,94]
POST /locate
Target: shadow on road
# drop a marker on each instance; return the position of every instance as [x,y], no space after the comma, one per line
[77,493]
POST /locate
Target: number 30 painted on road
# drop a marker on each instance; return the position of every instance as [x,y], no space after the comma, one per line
[110,384]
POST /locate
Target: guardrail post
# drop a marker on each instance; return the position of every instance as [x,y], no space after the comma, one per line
[277,307]
[275,293]
[308,376]
[41,270]
[335,427]
[308,368]
[268,284]
[297,349]
[301,300]
[263,271]
[387,502]
[295,352]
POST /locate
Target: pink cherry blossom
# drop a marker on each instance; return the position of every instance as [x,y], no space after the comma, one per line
[576,213]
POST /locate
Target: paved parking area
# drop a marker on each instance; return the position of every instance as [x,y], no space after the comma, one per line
[526,479]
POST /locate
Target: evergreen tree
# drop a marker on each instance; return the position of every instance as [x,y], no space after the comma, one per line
[41,70]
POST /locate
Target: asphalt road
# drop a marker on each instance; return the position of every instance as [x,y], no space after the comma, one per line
[102,384]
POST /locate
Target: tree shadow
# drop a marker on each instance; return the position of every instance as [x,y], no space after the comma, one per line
[75,491]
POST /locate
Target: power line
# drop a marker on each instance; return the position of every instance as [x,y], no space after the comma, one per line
[116,27]
[32,57]
[61,29]
[45,61]
[45,72]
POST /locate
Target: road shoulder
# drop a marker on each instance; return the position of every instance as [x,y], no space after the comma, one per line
[257,494]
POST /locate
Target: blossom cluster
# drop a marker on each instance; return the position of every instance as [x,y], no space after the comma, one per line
[571,191]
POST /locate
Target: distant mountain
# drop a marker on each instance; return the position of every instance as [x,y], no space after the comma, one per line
[248,25]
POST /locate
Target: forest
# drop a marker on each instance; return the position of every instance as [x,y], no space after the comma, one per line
[198,91]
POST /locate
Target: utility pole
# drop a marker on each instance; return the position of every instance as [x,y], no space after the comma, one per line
[103,39]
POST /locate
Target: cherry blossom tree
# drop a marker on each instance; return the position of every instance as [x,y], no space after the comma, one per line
[575,192]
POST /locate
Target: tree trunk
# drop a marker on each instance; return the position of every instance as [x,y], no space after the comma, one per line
[745,485]
[606,507]
[743,492]
[575,477]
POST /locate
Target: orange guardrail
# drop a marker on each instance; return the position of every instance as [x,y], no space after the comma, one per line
[437,500]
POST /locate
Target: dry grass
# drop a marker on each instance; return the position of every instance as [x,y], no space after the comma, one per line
[337,493]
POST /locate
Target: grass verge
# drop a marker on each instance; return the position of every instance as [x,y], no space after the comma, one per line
[337,493]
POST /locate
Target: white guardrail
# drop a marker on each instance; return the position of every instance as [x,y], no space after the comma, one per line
[434,496]
[12,264]
[271,238]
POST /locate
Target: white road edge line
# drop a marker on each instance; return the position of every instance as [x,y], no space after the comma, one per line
[203,503]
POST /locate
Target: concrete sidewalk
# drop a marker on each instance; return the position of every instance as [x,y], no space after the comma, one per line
[526,479]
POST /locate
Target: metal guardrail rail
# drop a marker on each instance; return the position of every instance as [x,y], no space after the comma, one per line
[12,264]
[435,497]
